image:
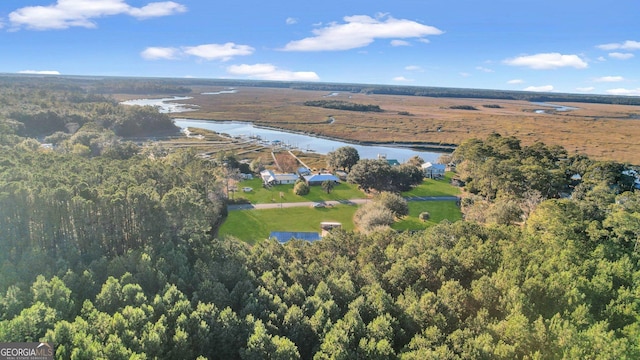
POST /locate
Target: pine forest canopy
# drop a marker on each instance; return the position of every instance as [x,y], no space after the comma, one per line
[109,250]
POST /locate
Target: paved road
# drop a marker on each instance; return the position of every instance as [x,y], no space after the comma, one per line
[277,205]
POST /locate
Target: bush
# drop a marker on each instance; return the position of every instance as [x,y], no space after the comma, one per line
[372,216]
[301,188]
[394,202]
[424,216]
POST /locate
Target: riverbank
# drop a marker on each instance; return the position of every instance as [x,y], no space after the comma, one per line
[600,131]
[288,139]
[417,145]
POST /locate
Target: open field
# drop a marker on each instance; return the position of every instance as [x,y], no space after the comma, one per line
[255,225]
[284,193]
[439,211]
[601,131]
[433,187]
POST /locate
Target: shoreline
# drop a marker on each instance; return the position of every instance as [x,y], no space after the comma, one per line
[424,146]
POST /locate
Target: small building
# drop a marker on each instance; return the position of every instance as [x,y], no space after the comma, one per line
[287,178]
[244,176]
[393,162]
[327,226]
[304,171]
[318,179]
[270,178]
[433,171]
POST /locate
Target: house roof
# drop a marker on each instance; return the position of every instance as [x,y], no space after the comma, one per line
[429,165]
[321,178]
[393,162]
[286,177]
[284,236]
[267,175]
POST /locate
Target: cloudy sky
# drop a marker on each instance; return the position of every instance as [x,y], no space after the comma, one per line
[575,46]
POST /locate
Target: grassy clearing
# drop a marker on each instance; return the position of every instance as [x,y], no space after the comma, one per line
[431,187]
[260,195]
[252,226]
[439,210]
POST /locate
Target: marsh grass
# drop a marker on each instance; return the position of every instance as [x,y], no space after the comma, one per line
[600,131]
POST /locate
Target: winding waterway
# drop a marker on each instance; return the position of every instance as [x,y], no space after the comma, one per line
[269,135]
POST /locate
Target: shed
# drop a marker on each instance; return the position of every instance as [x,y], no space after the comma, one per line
[327,226]
[304,171]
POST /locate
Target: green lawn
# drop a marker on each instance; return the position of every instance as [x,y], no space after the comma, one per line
[255,225]
[260,195]
[439,211]
[431,187]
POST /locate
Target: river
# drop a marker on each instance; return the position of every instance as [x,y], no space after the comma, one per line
[269,135]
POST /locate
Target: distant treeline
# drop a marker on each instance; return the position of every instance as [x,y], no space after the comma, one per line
[343,105]
[182,86]
[97,85]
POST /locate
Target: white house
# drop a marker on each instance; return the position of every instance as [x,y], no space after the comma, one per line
[433,171]
[269,178]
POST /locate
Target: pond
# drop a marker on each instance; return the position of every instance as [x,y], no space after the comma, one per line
[556,107]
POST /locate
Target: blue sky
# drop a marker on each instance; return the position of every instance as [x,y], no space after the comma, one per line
[586,46]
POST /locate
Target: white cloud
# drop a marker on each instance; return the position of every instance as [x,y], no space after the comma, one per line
[621,91]
[400,43]
[271,72]
[515,81]
[544,88]
[413,68]
[155,53]
[586,89]
[484,69]
[157,9]
[464,74]
[359,31]
[402,79]
[69,13]
[621,56]
[602,58]
[609,79]
[223,52]
[291,21]
[627,45]
[39,72]
[547,61]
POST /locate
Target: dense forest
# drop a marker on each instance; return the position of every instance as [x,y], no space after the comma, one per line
[109,251]
[179,86]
